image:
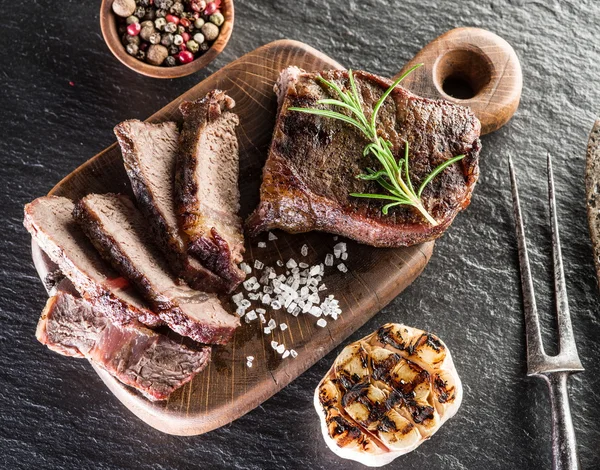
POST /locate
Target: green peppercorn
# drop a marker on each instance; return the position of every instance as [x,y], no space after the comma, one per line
[170,61]
[132,49]
[192,46]
[180,29]
[132,19]
[160,23]
[128,39]
[210,31]
[198,23]
[178,39]
[154,38]
[199,38]
[170,28]
[217,18]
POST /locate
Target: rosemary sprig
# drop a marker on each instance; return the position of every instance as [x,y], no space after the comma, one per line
[394,177]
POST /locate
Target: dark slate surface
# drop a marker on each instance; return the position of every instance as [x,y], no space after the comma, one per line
[55,412]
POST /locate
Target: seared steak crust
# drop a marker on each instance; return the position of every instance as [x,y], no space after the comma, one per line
[313,163]
[50,223]
[207,185]
[149,155]
[153,364]
[119,232]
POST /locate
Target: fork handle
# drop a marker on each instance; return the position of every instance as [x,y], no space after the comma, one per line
[564,445]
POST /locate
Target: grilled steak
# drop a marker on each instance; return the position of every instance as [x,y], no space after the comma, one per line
[149,154]
[313,163]
[51,225]
[152,363]
[119,232]
[207,184]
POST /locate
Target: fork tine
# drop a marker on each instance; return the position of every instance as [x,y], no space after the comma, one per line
[565,329]
[535,347]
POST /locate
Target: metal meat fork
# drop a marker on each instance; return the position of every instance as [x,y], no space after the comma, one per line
[553,369]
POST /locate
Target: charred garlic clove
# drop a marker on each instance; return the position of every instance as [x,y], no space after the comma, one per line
[386,394]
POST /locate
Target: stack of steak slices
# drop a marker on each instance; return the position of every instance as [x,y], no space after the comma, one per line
[160,260]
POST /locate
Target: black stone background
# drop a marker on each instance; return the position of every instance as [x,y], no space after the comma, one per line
[56,413]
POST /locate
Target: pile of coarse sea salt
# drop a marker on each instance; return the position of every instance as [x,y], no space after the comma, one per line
[293,286]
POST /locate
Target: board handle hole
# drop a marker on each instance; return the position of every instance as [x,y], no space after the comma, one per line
[463,74]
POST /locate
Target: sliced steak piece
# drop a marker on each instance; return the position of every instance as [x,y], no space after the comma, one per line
[150,154]
[314,161]
[119,232]
[49,220]
[208,198]
[152,363]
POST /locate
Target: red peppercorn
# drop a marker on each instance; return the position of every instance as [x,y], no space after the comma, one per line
[134,29]
[172,19]
[184,22]
[196,14]
[210,8]
[196,7]
[185,57]
[186,36]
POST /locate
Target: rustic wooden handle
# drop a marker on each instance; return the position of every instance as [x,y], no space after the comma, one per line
[471,67]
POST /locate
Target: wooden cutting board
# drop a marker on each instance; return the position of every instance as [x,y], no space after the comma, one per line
[227,388]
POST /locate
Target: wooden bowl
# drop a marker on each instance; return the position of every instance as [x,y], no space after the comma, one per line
[108,25]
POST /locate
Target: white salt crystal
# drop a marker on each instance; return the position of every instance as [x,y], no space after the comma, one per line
[315,311]
[261,311]
[272,324]
[342,267]
[272,236]
[283,326]
[250,358]
[329,259]
[291,263]
[280,348]
[237,298]
[316,269]
[303,265]
[249,364]
[322,322]
[262,317]
[285,354]
[253,296]
[240,311]
[258,264]
[276,305]
[251,315]
[279,263]
[267,330]
[304,250]
[274,344]
[245,303]
[246,268]
[262,245]
[266,299]
[293,353]
[341,247]
[322,287]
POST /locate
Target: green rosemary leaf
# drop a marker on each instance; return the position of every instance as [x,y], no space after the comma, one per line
[372,176]
[343,96]
[375,196]
[387,207]
[406,167]
[369,148]
[330,114]
[339,103]
[354,94]
[437,171]
[388,91]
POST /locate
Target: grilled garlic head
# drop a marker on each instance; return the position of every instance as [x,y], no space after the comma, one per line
[387,393]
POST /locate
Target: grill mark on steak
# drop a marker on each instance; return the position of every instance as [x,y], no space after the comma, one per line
[151,363]
[50,223]
[313,163]
[149,155]
[207,194]
[119,232]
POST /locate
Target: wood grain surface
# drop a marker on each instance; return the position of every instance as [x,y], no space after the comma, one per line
[472,67]
[227,389]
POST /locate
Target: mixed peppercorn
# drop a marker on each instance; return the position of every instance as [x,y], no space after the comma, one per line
[168,32]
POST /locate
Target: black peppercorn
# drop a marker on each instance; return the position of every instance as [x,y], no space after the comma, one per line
[204,47]
[161,13]
[170,61]
[140,12]
[150,14]
[173,50]
[140,55]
